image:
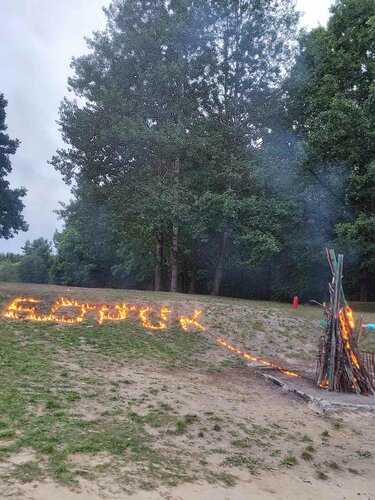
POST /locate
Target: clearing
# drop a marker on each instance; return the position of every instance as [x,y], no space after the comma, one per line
[105,411]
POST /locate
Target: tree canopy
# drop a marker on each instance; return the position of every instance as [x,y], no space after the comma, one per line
[11,206]
[212,147]
[176,97]
[332,104]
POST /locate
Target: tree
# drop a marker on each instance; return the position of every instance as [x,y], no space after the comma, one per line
[142,83]
[176,100]
[88,247]
[254,44]
[11,206]
[332,103]
[40,247]
[71,266]
[9,267]
[33,269]
[37,261]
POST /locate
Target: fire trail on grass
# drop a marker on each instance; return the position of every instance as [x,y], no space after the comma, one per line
[23,308]
[246,355]
[340,363]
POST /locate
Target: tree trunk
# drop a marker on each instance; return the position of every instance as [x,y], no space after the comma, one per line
[192,282]
[174,253]
[159,262]
[363,288]
[220,265]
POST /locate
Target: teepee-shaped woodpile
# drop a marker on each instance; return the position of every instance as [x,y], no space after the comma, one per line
[340,364]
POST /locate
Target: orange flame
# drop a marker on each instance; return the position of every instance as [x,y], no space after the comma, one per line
[117,312]
[251,357]
[105,314]
[120,312]
[185,322]
[162,325]
[347,325]
[15,307]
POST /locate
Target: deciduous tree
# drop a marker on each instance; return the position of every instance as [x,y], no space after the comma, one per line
[11,206]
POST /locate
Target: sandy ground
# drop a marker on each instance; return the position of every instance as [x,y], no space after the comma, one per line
[283,487]
[238,395]
[232,404]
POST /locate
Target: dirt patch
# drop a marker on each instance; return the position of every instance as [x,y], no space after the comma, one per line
[22,457]
[92,460]
[241,427]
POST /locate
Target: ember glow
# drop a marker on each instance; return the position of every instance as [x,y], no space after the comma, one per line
[251,357]
[23,308]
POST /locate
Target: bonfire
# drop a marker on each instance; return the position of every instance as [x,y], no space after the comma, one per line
[341,365]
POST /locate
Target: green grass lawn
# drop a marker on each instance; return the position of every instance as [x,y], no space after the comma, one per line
[38,396]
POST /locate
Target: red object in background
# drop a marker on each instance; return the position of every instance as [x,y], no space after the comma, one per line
[295,302]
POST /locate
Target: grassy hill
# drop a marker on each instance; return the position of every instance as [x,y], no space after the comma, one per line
[121,408]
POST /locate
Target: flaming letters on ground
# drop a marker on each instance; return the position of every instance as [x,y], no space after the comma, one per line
[23,308]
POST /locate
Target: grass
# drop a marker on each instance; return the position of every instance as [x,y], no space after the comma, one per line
[306,438]
[258,326]
[306,455]
[333,465]
[38,397]
[364,453]
[157,418]
[57,401]
[241,443]
[355,472]
[181,426]
[289,460]
[222,477]
[322,475]
[337,424]
[253,464]
[27,472]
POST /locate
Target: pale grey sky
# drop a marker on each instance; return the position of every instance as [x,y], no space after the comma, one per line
[37,41]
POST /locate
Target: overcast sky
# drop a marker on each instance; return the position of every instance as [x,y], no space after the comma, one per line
[37,41]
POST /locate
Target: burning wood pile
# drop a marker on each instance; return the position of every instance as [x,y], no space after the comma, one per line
[340,366]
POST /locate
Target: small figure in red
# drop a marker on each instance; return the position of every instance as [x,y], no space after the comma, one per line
[295,302]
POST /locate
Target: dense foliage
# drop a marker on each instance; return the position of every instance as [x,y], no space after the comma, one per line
[332,104]
[33,266]
[166,150]
[11,206]
[213,148]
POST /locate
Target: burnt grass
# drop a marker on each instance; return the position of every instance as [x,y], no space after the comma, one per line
[148,408]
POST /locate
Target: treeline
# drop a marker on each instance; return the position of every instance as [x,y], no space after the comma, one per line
[35,265]
[214,148]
